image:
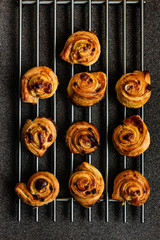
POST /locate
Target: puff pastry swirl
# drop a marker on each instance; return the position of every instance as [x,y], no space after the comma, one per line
[39,134]
[132,138]
[86,89]
[86,185]
[38,82]
[131,186]
[82,47]
[82,137]
[134,89]
[42,188]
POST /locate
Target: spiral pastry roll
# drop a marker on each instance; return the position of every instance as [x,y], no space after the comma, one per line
[82,47]
[38,82]
[41,189]
[132,187]
[134,89]
[86,185]
[132,138]
[38,135]
[82,137]
[86,89]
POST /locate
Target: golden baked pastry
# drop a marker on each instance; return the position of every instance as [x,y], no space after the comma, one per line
[82,137]
[86,185]
[86,89]
[82,47]
[38,82]
[41,189]
[132,187]
[39,134]
[132,138]
[134,89]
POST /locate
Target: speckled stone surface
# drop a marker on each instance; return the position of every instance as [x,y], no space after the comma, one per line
[80,228]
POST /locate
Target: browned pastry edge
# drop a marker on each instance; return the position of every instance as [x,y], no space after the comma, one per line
[82,47]
[134,89]
[132,138]
[38,82]
[41,189]
[82,137]
[86,185]
[86,89]
[38,135]
[131,186]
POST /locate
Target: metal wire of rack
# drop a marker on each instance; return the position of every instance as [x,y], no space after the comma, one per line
[72,3]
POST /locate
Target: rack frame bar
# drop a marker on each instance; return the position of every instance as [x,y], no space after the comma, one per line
[37,107]
[81,2]
[69,199]
[107,119]
[55,102]
[125,109]
[20,108]
[72,106]
[142,68]
[90,108]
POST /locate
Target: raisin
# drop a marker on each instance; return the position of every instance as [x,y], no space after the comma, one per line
[93,140]
[41,199]
[75,84]
[128,137]
[97,90]
[88,192]
[50,138]
[148,87]
[40,184]
[35,197]
[30,137]
[48,87]
[94,191]
[84,77]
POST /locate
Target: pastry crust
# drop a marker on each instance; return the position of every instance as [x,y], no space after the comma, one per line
[82,47]
[41,189]
[38,82]
[82,137]
[131,186]
[38,135]
[132,138]
[86,89]
[134,89]
[86,185]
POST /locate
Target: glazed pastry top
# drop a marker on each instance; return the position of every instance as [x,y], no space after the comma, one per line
[131,186]
[134,89]
[82,137]
[86,184]
[39,134]
[42,188]
[86,89]
[38,82]
[132,138]
[82,47]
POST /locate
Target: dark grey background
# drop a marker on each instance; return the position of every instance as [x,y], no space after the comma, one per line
[80,229]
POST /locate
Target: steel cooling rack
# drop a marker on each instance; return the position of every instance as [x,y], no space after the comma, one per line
[90,4]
